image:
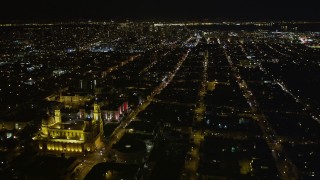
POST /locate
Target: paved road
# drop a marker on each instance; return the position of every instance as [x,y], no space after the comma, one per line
[101,154]
[193,158]
[285,167]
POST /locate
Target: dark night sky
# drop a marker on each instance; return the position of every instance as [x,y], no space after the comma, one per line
[164,9]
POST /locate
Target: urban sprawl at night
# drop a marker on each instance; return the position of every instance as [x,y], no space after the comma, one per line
[160,100]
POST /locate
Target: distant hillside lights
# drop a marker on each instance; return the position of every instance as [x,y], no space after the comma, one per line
[59,72]
[101,49]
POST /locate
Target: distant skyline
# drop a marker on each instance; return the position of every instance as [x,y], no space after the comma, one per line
[19,10]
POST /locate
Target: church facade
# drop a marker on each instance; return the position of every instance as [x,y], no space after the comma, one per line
[81,132]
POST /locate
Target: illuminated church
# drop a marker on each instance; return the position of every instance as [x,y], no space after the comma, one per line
[71,132]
